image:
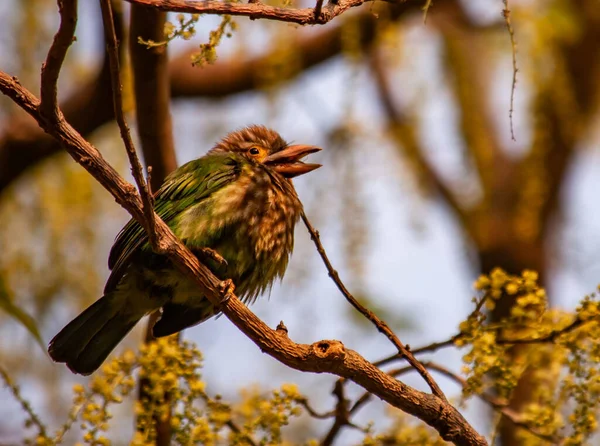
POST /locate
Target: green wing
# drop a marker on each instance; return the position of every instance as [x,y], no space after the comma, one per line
[189,184]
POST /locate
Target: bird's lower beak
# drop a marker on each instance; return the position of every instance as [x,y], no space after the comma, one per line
[287,161]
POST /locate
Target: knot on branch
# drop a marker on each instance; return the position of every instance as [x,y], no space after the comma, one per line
[282,329]
[330,350]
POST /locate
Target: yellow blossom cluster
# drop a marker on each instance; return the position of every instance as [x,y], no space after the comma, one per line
[169,373]
[561,350]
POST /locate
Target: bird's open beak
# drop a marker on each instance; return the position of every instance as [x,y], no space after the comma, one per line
[287,161]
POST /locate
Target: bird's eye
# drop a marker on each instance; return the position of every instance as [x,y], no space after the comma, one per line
[254,151]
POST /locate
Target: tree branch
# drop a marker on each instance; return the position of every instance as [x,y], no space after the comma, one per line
[497,404]
[493,401]
[437,345]
[342,415]
[89,106]
[305,16]
[56,56]
[320,357]
[152,92]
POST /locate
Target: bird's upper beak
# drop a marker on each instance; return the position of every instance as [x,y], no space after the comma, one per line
[287,161]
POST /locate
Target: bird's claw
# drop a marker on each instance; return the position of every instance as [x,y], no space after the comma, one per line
[226,290]
[213,255]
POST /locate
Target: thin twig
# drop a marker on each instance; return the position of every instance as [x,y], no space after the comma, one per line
[56,55]
[382,327]
[66,426]
[117,88]
[235,428]
[152,98]
[511,33]
[550,337]
[365,397]
[313,413]
[436,345]
[16,391]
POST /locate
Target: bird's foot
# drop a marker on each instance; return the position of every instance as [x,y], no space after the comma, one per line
[226,290]
[210,253]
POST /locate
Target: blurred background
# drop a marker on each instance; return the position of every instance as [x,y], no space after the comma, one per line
[423,186]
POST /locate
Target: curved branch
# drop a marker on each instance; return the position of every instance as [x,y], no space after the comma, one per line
[56,56]
[238,75]
[320,357]
[494,402]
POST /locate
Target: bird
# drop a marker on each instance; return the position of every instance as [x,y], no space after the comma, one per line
[235,208]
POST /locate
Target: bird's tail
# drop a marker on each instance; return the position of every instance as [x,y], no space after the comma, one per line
[88,339]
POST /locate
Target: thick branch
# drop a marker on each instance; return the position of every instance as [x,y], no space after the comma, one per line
[494,402]
[305,16]
[321,357]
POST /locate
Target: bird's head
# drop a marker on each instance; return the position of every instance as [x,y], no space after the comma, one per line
[265,146]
